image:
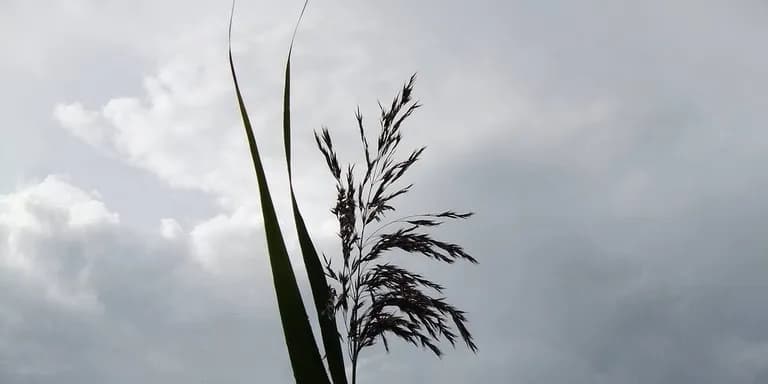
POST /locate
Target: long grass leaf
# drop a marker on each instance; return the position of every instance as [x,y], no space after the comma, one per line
[315,272]
[303,352]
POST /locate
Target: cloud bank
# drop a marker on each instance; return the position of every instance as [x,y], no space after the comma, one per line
[610,149]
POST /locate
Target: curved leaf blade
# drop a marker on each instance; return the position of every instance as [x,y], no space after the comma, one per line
[315,272]
[304,355]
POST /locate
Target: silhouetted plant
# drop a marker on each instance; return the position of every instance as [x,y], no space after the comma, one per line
[377,298]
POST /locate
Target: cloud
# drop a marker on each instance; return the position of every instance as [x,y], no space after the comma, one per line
[79,121]
[86,299]
[170,228]
[610,150]
[175,132]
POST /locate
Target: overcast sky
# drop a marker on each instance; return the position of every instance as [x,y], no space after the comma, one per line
[613,152]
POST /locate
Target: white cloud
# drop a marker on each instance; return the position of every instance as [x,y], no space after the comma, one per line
[39,215]
[56,199]
[177,131]
[170,228]
[80,122]
[224,239]
[68,267]
[186,130]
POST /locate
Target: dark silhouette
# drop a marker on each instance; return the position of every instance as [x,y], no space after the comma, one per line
[377,298]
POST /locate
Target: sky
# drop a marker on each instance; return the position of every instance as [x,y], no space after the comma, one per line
[612,152]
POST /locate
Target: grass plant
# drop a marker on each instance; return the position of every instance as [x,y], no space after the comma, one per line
[374,298]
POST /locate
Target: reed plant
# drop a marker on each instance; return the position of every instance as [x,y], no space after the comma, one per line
[376,297]
[373,297]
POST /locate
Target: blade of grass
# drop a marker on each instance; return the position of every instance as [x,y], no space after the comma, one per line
[305,357]
[315,272]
